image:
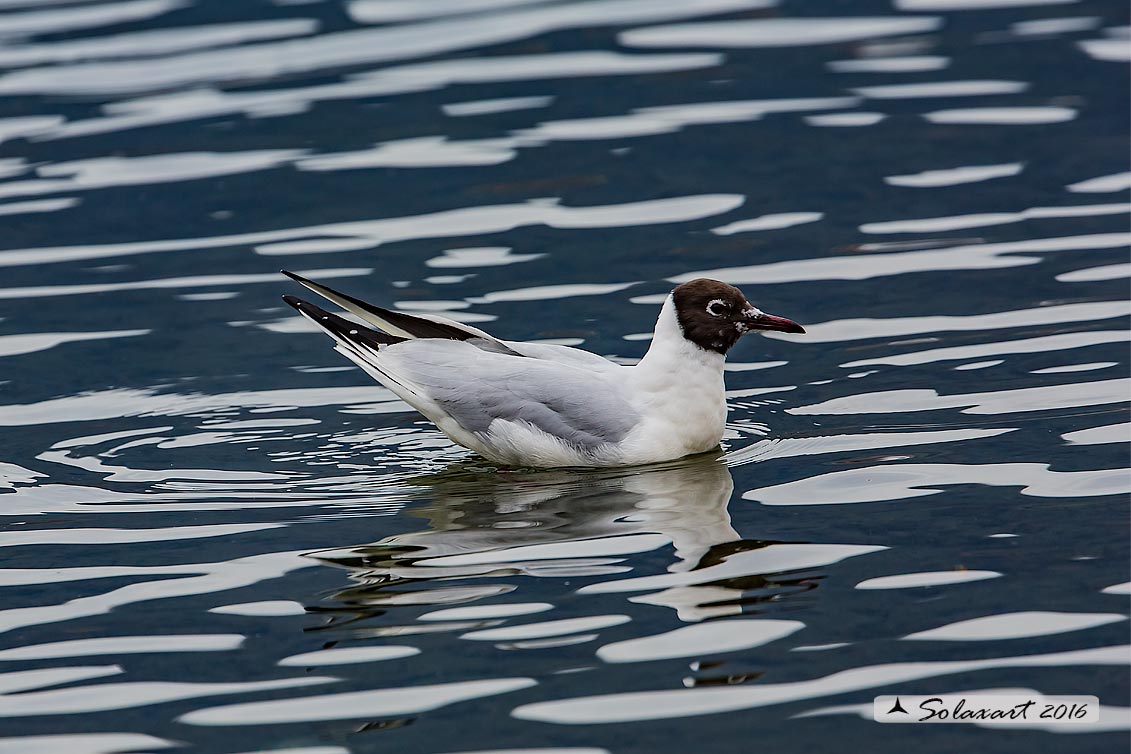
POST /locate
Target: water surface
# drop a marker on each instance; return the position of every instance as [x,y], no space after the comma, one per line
[219,535]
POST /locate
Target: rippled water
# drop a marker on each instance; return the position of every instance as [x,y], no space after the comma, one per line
[218,534]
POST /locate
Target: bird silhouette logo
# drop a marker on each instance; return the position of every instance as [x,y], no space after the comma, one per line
[897,707]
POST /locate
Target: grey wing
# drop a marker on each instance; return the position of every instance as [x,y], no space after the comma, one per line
[564,355]
[475,387]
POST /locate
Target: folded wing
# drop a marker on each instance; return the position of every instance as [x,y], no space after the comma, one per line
[487,393]
[478,388]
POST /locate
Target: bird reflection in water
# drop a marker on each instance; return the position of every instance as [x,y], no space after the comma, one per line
[489,533]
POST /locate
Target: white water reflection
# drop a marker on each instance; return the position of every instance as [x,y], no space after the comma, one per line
[128,695]
[1104,184]
[770,559]
[44,499]
[194,281]
[152,43]
[492,106]
[546,629]
[846,330]
[978,365]
[109,404]
[31,125]
[1002,116]
[425,151]
[787,447]
[895,64]
[41,205]
[971,5]
[267,608]
[198,578]
[551,292]
[1109,433]
[266,60]
[24,680]
[484,256]
[1015,626]
[716,637]
[1020,400]
[14,345]
[768,222]
[1069,368]
[1105,272]
[390,11]
[539,750]
[348,656]
[124,645]
[1109,50]
[955,176]
[53,21]
[961,222]
[486,612]
[845,120]
[777,32]
[1043,344]
[867,266]
[1046,26]
[652,121]
[83,743]
[465,221]
[104,172]
[11,166]
[909,480]
[391,702]
[941,89]
[927,579]
[198,103]
[105,536]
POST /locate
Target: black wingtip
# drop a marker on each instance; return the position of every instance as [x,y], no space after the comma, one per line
[341,328]
[321,290]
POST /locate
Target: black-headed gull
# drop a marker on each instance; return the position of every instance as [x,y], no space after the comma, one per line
[542,405]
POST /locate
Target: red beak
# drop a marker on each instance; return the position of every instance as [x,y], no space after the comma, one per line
[770,322]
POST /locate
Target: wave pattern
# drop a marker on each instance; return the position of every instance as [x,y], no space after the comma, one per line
[217,535]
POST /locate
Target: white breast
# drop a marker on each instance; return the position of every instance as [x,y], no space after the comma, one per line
[679,391]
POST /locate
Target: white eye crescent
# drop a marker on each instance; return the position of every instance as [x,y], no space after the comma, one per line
[717,307]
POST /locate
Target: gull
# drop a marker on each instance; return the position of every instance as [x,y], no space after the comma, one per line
[547,406]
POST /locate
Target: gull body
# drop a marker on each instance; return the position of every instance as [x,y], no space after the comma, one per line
[533,404]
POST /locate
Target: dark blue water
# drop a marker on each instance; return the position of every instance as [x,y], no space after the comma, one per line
[218,535]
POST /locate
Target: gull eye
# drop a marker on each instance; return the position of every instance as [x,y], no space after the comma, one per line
[717,307]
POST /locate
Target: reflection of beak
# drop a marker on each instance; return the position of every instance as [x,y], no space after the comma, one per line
[757,320]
